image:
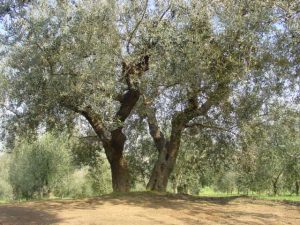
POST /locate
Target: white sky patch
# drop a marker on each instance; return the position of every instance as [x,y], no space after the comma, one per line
[217,26]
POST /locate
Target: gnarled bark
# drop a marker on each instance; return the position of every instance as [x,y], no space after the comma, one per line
[163,168]
[167,151]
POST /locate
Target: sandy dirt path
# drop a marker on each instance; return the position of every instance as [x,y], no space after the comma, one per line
[150,209]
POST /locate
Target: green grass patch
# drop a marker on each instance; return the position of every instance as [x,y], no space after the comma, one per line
[290,198]
[209,192]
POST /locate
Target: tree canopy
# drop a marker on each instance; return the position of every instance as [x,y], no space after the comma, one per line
[182,67]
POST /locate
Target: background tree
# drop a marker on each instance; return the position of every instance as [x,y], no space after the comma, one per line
[273,143]
[39,168]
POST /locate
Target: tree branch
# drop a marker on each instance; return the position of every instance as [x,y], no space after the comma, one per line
[92,117]
[137,26]
[154,129]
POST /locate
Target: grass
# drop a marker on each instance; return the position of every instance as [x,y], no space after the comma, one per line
[205,192]
[290,198]
[209,192]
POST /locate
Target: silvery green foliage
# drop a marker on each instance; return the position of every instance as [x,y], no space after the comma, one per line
[201,46]
[63,55]
[270,154]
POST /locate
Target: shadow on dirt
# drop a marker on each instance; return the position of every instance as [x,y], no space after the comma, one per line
[154,200]
[18,215]
[150,207]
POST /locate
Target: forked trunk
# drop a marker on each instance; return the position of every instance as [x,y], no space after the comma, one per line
[163,168]
[168,149]
[167,153]
[114,145]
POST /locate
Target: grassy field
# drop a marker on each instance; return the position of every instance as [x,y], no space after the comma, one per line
[205,192]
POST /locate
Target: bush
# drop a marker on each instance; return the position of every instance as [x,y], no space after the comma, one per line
[45,168]
[6,191]
[77,185]
[100,176]
[39,168]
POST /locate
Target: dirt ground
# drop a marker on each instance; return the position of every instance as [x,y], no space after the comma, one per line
[151,209]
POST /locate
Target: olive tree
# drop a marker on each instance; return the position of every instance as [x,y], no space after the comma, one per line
[271,143]
[214,70]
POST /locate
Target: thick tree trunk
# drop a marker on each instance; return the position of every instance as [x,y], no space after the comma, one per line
[120,175]
[114,145]
[119,167]
[166,161]
[168,151]
[161,172]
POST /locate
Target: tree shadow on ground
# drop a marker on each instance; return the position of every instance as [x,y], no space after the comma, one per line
[18,215]
[144,199]
[155,200]
[216,210]
[149,207]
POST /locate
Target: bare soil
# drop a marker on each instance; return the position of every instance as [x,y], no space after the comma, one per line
[150,209]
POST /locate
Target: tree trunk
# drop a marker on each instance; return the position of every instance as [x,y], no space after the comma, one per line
[161,172]
[164,164]
[275,183]
[175,183]
[275,188]
[118,164]
[168,151]
[297,187]
[120,175]
[114,146]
